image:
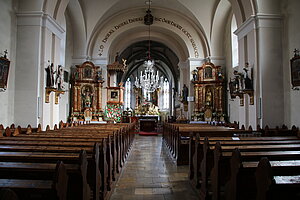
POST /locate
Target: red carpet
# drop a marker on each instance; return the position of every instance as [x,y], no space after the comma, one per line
[148,133]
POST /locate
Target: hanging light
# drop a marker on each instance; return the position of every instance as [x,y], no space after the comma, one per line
[148,80]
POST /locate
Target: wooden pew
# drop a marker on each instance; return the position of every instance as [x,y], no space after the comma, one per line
[78,187]
[96,135]
[196,159]
[125,138]
[40,189]
[221,167]
[46,136]
[54,134]
[277,131]
[270,187]
[179,136]
[242,182]
[51,154]
[202,162]
[64,135]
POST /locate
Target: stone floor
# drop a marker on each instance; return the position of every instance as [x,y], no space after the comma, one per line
[150,174]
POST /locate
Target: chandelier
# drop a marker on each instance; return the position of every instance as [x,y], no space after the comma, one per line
[149,81]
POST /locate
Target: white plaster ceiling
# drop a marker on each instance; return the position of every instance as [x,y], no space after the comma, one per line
[88,16]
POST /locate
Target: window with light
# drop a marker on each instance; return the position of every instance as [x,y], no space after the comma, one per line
[166,95]
[234,43]
[127,97]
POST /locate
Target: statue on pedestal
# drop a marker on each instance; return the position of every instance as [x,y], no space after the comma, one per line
[185,93]
[60,78]
[50,80]
[87,97]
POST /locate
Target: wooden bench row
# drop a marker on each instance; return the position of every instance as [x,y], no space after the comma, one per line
[49,146]
[52,186]
[177,137]
[217,166]
[68,154]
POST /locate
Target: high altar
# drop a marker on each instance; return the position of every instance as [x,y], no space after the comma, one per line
[86,93]
[209,93]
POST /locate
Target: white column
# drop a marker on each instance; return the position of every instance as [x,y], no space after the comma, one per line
[29,35]
[269,39]
[188,67]
[34,48]
[261,40]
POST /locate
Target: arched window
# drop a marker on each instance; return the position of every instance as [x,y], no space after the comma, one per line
[234,43]
[127,97]
[166,95]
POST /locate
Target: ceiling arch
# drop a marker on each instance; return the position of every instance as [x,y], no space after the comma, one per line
[222,12]
[89,18]
[174,27]
[165,37]
[79,31]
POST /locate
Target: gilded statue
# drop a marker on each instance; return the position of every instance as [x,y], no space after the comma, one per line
[208,97]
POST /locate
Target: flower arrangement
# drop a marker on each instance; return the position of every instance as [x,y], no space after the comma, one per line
[113,112]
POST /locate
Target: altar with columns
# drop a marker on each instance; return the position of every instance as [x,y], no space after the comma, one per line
[86,93]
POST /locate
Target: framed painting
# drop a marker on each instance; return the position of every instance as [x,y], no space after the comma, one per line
[115,95]
[4,69]
[295,71]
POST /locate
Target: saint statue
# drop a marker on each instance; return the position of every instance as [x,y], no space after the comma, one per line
[248,82]
[185,93]
[60,78]
[237,77]
[99,75]
[208,97]
[50,76]
[87,98]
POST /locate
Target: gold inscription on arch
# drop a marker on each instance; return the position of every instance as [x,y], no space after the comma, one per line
[139,19]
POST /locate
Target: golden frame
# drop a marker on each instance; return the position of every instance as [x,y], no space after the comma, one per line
[115,95]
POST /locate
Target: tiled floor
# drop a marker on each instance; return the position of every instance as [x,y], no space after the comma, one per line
[150,174]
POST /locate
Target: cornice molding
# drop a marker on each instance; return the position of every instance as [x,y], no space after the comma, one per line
[97,61]
[260,20]
[196,61]
[37,18]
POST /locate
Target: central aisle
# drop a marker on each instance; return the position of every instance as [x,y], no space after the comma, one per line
[150,174]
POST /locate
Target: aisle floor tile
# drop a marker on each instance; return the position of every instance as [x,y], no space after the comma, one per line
[149,173]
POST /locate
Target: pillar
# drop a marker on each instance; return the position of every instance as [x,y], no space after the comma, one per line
[260,43]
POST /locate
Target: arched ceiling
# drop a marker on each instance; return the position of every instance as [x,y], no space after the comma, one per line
[96,14]
[87,17]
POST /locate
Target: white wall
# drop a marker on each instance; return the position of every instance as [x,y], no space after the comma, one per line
[233,105]
[8,41]
[291,40]
[65,99]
